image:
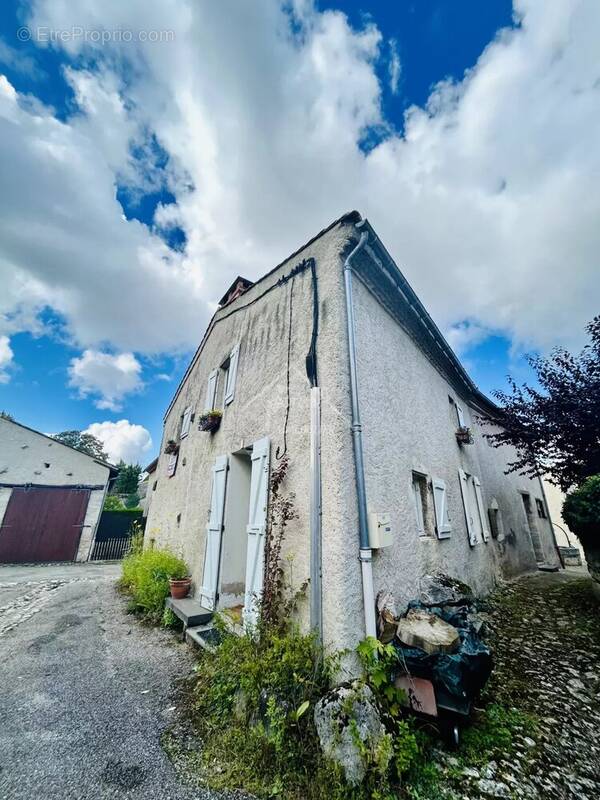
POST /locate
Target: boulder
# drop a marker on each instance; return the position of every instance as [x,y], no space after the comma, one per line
[350,730]
[440,589]
[422,629]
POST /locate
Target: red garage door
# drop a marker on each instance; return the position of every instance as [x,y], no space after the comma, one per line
[42,525]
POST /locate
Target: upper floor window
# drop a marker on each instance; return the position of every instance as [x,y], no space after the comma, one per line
[226,376]
[541,511]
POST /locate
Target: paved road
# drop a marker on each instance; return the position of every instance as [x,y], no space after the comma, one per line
[85,691]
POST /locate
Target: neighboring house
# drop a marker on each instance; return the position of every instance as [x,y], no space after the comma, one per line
[145,486]
[384,492]
[569,545]
[51,497]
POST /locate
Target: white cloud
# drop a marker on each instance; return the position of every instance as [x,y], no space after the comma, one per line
[465,335]
[6,359]
[122,440]
[112,377]
[489,201]
[394,67]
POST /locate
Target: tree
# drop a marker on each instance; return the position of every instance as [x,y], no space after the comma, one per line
[84,442]
[127,480]
[6,415]
[581,511]
[113,503]
[555,428]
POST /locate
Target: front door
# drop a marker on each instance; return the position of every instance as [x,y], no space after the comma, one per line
[214,533]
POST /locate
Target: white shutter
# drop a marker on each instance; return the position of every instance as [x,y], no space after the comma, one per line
[418,506]
[440,503]
[171,465]
[485,531]
[256,530]
[185,422]
[464,490]
[211,390]
[232,374]
[214,532]
[461,416]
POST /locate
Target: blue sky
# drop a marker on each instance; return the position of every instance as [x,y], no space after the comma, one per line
[65,345]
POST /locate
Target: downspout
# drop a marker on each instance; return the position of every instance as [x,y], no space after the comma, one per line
[365,554]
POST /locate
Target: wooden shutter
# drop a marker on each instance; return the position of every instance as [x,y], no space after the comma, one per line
[485,531]
[185,422]
[416,490]
[464,490]
[232,374]
[214,532]
[211,390]
[171,465]
[256,530]
[440,504]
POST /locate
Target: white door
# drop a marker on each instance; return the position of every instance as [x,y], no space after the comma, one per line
[214,533]
[256,529]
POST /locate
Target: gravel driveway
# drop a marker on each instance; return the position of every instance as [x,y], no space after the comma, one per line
[86,691]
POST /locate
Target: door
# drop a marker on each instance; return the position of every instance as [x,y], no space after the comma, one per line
[42,524]
[214,533]
[256,530]
[534,534]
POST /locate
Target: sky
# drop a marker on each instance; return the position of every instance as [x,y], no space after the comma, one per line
[143,168]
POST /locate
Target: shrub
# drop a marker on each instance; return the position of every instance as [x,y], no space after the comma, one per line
[113,503]
[146,576]
[581,511]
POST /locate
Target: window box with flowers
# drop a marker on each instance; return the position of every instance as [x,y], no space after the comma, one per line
[210,420]
[171,447]
[464,435]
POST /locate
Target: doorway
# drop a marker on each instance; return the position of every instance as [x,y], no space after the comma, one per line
[534,534]
[235,545]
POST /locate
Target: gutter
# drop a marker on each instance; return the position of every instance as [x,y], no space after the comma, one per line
[365,553]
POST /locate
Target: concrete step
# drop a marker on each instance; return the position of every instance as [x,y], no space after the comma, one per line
[189,611]
[205,636]
[547,568]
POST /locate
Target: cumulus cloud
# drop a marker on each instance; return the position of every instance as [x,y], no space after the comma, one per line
[110,377]
[123,440]
[6,359]
[488,200]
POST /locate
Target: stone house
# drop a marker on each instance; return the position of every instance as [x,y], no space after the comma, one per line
[51,497]
[332,360]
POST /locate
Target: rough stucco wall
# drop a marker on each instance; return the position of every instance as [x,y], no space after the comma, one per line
[23,455]
[409,425]
[258,410]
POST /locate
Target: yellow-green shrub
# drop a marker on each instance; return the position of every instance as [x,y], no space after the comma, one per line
[146,576]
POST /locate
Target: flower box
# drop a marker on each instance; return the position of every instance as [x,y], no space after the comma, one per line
[171,447]
[210,421]
[464,435]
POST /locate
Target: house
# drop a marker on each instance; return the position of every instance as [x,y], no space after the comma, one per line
[145,485]
[568,544]
[51,497]
[332,360]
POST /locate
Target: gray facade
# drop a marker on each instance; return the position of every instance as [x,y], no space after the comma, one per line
[410,385]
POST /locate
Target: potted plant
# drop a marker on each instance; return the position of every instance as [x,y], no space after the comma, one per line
[464,435]
[180,585]
[171,447]
[581,512]
[210,420]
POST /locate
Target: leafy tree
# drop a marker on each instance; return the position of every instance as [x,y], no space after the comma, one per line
[581,511]
[6,415]
[84,442]
[113,503]
[127,480]
[555,428]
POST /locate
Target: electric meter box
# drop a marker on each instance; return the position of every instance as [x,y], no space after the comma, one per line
[380,530]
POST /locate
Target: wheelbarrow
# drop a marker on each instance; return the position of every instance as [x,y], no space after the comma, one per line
[434,705]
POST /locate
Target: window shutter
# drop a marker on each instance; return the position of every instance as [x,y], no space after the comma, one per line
[485,531]
[440,503]
[232,374]
[418,506]
[211,390]
[464,490]
[185,422]
[214,532]
[171,465]
[461,416]
[256,529]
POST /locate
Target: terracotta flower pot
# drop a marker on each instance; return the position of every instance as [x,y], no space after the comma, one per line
[180,588]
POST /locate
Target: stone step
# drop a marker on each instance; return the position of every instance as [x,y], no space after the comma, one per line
[547,568]
[205,636]
[189,611]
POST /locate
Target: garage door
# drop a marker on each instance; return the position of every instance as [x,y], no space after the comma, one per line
[42,525]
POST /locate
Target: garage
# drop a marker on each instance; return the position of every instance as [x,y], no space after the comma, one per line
[51,497]
[43,524]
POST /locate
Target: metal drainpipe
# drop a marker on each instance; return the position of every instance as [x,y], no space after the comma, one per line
[365,554]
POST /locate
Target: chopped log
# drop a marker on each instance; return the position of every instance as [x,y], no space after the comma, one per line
[420,628]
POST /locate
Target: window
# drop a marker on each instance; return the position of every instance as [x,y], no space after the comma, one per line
[460,417]
[496,524]
[231,375]
[475,512]
[211,390]
[186,419]
[171,465]
[423,504]
[443,526]
[541,511]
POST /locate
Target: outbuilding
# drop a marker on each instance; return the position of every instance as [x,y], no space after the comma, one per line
[51,497]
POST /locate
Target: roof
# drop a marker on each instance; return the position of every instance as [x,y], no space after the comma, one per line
[246,284]
[151,466]
[431,338]
[111,467]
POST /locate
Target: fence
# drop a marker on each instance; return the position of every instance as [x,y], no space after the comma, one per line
[110,549]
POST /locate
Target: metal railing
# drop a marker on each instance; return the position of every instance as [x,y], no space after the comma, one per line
[111,549]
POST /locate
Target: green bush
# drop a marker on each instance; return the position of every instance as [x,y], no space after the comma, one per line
[146,576]
[581,511]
